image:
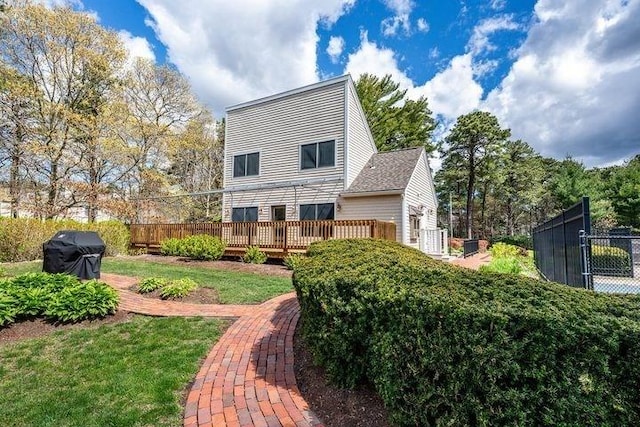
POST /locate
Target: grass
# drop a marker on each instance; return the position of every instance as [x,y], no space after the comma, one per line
[233,287]
[126,374]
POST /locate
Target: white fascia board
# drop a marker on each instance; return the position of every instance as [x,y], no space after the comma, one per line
[291,92]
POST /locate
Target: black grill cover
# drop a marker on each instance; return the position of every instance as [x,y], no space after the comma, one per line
[74,252]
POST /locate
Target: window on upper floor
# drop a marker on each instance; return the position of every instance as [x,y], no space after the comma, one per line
[246,165]
[318,155]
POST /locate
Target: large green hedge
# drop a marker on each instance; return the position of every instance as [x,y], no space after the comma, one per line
[449,346]
[21,239]
[610,261]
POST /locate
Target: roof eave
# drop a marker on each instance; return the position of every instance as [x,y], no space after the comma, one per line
[373,193]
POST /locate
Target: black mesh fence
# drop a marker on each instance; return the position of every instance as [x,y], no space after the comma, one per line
[556,245]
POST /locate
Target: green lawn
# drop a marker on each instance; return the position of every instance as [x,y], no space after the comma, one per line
[233,287]
[126,374]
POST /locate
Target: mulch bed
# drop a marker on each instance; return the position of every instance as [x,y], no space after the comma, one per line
[200,296]
[39,326]
[335,406]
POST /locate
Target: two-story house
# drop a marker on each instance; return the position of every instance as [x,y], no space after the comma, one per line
[308,154]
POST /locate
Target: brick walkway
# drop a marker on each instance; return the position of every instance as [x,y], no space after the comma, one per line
[136,303]
[247,379]
[474,261]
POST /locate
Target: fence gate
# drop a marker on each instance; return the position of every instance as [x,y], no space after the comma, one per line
[611,261]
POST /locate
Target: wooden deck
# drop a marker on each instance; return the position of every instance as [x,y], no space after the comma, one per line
[277,239]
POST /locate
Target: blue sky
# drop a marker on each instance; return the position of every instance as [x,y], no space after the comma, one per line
[563,75]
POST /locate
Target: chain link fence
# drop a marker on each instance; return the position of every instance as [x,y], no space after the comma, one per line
[613,261]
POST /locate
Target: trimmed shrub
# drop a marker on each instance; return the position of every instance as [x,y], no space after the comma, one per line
[171,247]
[150,284]
[178,288]
[254,255]
[450,346]
[21,239]
[199,247]
[291,261]
[610,261]
[86,300]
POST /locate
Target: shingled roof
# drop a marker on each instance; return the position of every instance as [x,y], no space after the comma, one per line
[386,172]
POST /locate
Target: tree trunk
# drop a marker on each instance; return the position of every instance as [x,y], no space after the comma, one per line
[470,186]
[52,192]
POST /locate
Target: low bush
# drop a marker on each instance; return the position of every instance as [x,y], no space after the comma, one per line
[21,239]
[171,247]
[61,297]
[503,250]
[610,261]
[505,265]
[86,300]
[449,346]
[520,240]
[178,288]
[151,284]
[8,308]
[200,247]
[291,261]
[254,255]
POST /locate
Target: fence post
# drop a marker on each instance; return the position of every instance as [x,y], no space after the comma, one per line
[587,279]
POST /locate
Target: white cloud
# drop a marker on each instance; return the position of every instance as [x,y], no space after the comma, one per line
[573,87]
[400,21]
[498,4]
[450,93]
[237,51]
[335,48]
[453,91]
[399,7]
[423,25]
[434,52]
[479,41]
[369,58]
[136,46]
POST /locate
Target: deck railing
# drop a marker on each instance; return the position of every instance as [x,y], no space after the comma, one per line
[278,237]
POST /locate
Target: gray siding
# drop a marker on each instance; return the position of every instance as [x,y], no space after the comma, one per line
[360,146]
[383,208]
[276,129]
[288,196]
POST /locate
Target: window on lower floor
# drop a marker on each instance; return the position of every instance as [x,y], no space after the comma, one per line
[317,211]
[240,215]
[314,212]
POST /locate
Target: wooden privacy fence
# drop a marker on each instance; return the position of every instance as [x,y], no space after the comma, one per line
[276,238]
